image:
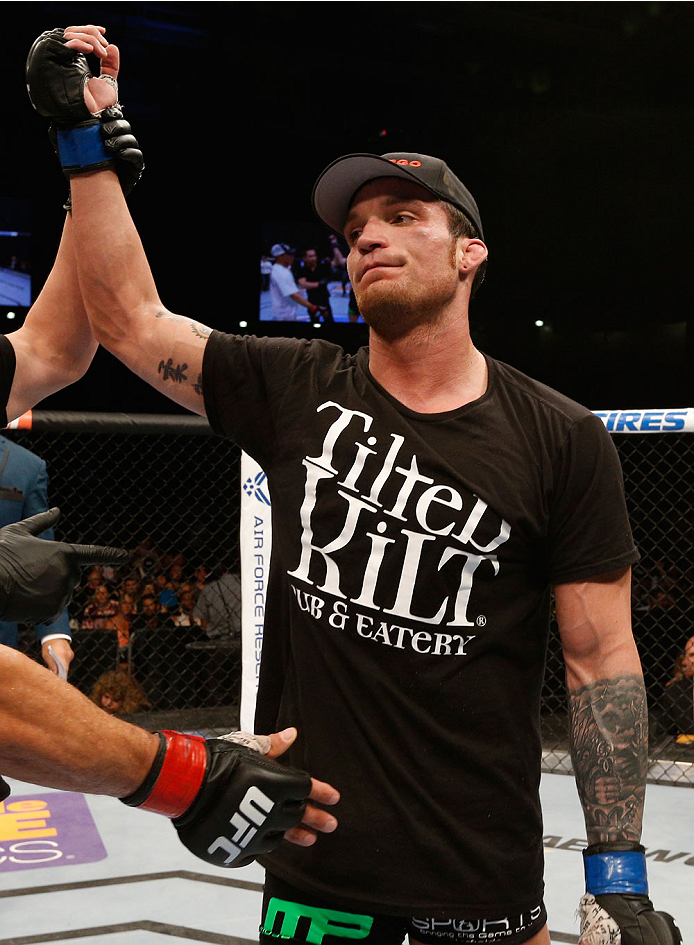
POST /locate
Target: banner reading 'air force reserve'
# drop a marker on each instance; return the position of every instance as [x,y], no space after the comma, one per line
[255,546]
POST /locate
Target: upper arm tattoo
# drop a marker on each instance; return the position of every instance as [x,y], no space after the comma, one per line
[609,748]
[177,373]
[169,372]
[200,331]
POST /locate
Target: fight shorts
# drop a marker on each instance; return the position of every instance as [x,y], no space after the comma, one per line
[291,915]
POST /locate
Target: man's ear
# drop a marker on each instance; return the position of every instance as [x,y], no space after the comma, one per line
[470,255]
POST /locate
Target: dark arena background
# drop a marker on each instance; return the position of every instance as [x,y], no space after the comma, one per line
[570,122]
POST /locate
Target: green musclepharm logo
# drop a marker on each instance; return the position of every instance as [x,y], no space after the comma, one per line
[323,921]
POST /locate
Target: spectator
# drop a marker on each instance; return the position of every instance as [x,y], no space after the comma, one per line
[184,615]
[118,693]
[131,585]
[218,609]
[678,698]
[166,592]
[200,576]
[100,608]
[120,622]
[24,492]
[151,616]
[176,574]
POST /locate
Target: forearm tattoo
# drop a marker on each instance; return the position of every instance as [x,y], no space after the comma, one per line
[608,723]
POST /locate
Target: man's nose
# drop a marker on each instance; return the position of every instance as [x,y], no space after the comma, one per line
[372,236]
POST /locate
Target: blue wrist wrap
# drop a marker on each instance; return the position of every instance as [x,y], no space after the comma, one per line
[82,147]
[618,872]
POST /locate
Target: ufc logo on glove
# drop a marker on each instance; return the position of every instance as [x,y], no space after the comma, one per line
[253,809]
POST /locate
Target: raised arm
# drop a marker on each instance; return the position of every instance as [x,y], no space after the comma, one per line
[125,311]
[55,346]
[608,718]
[115,281]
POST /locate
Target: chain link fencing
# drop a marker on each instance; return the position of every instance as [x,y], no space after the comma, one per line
[161,636]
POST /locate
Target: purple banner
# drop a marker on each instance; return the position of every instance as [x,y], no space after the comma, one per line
[39,830]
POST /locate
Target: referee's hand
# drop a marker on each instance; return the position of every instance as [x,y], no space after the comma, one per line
[37,576]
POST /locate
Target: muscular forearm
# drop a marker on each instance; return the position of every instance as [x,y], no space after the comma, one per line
[53,735]
[116,282]
[608,722]
[55,346]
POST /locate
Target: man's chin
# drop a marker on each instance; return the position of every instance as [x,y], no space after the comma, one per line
[391,314]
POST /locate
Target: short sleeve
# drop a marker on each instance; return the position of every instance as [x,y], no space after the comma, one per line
[589,530]
[244,380]
[7,368]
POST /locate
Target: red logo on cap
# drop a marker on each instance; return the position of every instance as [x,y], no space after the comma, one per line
[403,161]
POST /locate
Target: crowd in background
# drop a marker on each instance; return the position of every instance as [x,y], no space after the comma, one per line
[157,592]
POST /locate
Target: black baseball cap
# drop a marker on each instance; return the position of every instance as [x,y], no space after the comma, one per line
[338,183]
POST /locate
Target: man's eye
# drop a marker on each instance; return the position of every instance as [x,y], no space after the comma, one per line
[402,218]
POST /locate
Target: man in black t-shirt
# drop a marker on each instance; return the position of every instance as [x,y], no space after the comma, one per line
[314,275]
[426,501]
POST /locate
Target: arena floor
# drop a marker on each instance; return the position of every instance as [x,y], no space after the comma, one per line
[99,873]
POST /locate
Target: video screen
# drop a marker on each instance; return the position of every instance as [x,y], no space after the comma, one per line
[303,276]
[15,254]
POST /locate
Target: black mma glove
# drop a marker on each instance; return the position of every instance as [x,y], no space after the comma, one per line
[38,576]
[616,908]
[56,77]
[228,803]
[317,311]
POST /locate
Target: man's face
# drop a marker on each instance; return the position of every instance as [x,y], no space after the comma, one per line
[402,257]
[149,606]
[310,258]
[187,603]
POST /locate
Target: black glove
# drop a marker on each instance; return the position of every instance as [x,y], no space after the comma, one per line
[318,311]
[616,901]
[634,916]
[120,142]
[56,76]
[228,803]
[38,576]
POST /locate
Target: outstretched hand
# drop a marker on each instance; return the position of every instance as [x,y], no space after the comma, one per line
[37,576]
[98,94]
[315,820]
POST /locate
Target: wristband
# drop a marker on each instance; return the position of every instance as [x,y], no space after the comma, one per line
[82,147]
[175,777]
[615,868]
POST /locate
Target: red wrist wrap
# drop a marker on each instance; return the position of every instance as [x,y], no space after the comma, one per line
[180,777]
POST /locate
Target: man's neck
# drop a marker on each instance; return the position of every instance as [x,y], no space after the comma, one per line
[431,370]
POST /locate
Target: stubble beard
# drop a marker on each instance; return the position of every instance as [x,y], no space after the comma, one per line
[394,310]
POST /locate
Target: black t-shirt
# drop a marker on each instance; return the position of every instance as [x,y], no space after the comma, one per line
[322,273]
[7,366]
[408,610]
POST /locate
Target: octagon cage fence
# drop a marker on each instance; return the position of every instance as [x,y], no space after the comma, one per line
[167,489]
